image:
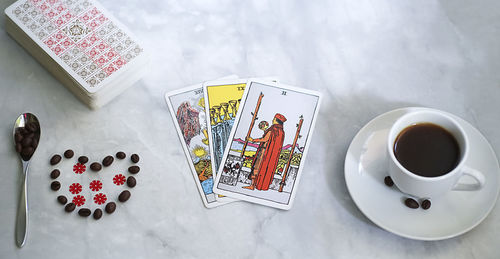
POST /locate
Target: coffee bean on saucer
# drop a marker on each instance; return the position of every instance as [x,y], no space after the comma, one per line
[121,155]
[124,196]
[83,159]
[411,203]
[110,207]
[84,212]
[19,147]
[69,153]
[388,181]
[97,214]
[18,137]
[55,185]
[131,182]
[96,167]
[62,199]
[134,169]
[426,204]
[135,158]
[70,207]
[107,161]
[55,173]
[55,159]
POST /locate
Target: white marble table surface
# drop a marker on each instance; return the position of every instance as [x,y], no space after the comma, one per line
[367,57]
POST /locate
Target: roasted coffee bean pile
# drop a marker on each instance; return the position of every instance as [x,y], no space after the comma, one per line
[409,202]
[110,206]
[27,140]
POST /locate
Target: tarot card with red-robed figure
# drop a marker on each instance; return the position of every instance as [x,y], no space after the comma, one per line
[268,144]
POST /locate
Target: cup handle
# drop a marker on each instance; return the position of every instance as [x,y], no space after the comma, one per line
[478,176]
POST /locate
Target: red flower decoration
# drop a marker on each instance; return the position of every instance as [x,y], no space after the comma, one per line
[119,179]
[79,200]
[79,168]
[95,185]
[100,198]
[75,188]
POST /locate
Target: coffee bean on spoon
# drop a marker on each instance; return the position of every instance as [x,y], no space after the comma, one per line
[70,207]
[388,181]
[55,185]
[121,155]
[55,173]
[31,127]
[34,143]
[84,212]
[62,199]
[83,159]
[124,196]
[135,158]
[55,159]
[110,207]
[134,169]
[131,182]
[107,161]
[18,137]
[97,214]
[26,142]
[69,153]
[96,167]
[411,203]
[19,147]
[426,204]
[27,151]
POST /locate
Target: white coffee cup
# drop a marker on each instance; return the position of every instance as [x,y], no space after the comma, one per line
[432,187]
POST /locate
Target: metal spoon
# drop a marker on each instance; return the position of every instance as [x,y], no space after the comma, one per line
[26,136]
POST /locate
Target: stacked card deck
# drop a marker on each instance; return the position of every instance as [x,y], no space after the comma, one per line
[245,139]
[80,44]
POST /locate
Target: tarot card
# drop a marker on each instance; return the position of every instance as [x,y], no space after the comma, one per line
[268,144]
[81,36]
[187,108]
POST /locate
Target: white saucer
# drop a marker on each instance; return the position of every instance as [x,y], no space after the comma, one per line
[451,215]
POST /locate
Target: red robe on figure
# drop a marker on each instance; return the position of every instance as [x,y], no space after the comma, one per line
[271,154]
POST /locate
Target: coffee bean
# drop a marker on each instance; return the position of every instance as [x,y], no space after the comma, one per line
[124,196]
[29,135]
[26,142]
[70,207]
[426,204]
[18,137]
[23,131]
[97,214]
[32,127]
[84,212]
[134,169]
[83,159]
[55,173]
[55,159]
[110,207]
[96,167]
[55,185]
[34,143]
[19,147]
[131,182]
[121,155]
[135,158]
[69,153]
[411,203]
[107,161]
[62,199]
[27,151]
[388,181]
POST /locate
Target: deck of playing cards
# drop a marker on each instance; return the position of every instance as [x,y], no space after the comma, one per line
[245,139]
[81,44]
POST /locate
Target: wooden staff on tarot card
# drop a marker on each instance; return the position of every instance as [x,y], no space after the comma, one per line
[254,117]
[297,136]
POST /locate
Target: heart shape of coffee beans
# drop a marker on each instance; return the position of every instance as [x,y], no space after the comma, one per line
[93,186]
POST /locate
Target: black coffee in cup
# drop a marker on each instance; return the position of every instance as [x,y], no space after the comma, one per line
[427,149]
